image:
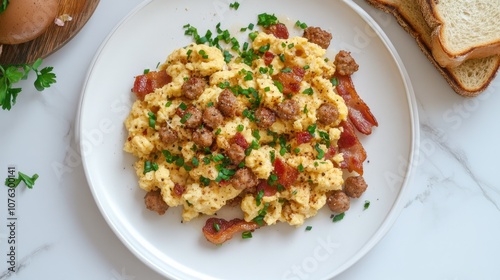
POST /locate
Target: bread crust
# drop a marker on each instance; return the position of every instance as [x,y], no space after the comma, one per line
[442,54]
[450,74]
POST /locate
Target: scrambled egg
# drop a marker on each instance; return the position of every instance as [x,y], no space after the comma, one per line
[182,163]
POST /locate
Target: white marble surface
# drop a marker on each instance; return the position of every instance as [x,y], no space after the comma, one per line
[448,230]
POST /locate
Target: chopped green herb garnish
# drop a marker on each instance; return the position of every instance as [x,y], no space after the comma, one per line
[300,168]
[321,153]
[286,70]
[300,24]
[195,162]
[227,56]
[179,162]
[204,181]
[366,205]
[334,81]
[325,137]
[168,104]
[12,74]
[234,5]
[240,127]
[185,117]
[256,134]
[338,217]
[216,227]
[203,54]
[312,129]
[183,106]
[282,57]
[258,198]
[308,91]
[264,48]
[253,35]
[152,119]
[206,160]
[150,166]
[272,155]
[246,234]
[279,85]
[308,228]
[273,178]
[266,20]
[218,131]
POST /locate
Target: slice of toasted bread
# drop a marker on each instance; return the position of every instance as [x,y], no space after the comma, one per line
[468,79]
[462,29]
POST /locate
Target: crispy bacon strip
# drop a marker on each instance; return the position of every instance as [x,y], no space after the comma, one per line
[303,137]
[218,231]
[287,175]
[266,188]
[359,113]
[290,79]
[351,148]
[279,30]
[147,83]
[240,140]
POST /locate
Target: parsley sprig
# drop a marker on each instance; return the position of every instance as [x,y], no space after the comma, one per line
[28,181]
[12,74]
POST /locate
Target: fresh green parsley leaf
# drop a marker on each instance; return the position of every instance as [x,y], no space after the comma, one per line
[12,74]
[308,228]
[21,177]
[204,181]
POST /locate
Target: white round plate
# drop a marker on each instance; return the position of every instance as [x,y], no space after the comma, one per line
[179,250]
